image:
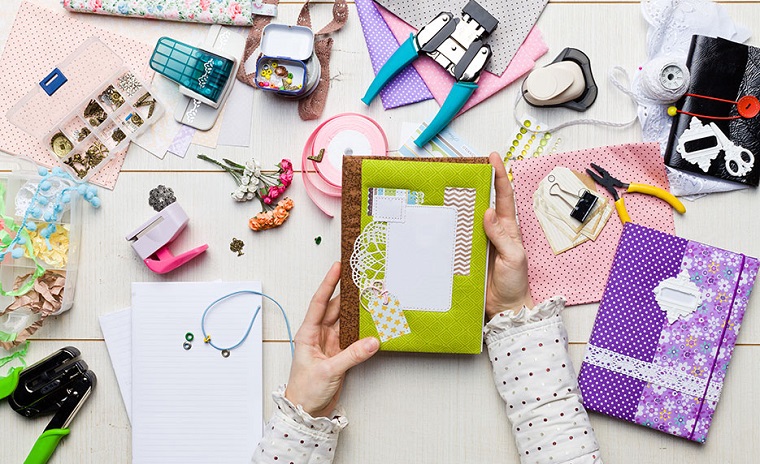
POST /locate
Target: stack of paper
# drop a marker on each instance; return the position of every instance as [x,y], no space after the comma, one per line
[189,406]
[560,194]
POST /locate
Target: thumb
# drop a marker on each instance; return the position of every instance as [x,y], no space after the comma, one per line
[496,233]
[358,352]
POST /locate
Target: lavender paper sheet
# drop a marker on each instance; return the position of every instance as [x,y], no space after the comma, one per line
[407,87]
[640,367]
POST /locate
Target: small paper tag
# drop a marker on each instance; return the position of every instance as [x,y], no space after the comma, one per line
[387,314]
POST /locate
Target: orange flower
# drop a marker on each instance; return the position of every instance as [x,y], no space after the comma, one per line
[286,203]
[280,214]
[271,219]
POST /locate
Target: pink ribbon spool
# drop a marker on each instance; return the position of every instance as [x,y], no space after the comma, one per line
[345,134]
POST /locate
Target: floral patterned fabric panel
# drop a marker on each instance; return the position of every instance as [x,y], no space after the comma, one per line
[665,332]
[232,12]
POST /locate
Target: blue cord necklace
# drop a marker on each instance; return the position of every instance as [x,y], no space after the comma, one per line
[226,351]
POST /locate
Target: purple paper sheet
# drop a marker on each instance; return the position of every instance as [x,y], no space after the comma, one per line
[407,87]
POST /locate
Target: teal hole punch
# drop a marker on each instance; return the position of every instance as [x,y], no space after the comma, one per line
[202,75]
[454,43]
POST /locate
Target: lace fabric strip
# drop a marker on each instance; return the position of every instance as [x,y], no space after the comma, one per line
[654,374]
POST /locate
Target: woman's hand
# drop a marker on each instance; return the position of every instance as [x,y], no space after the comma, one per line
[508,274]
[319,366]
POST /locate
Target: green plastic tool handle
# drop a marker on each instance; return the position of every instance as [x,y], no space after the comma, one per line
[45,446]
[8,384]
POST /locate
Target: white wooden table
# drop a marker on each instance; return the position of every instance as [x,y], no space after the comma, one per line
[403,408]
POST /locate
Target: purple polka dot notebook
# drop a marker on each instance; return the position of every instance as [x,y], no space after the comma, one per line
[665,331]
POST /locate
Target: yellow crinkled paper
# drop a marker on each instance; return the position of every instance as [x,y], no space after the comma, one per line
[59,247]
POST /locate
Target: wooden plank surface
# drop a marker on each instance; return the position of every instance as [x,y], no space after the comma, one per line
[457,415]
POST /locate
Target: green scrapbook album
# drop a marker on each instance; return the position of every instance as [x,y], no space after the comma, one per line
[414,252]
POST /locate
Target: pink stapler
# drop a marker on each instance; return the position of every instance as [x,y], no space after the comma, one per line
[151,240]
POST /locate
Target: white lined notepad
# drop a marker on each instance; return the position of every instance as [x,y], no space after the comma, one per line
[194,406]
[117,332]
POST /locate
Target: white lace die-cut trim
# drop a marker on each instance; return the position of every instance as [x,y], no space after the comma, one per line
[652,373]
[368,258]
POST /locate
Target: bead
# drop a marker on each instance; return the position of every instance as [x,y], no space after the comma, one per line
[189,336]
[187,345]
[225,353]
[207,339]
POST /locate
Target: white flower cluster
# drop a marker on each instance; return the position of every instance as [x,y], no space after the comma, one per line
[249,181]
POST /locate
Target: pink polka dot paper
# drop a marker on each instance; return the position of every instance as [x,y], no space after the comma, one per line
[580,274]
[38,41]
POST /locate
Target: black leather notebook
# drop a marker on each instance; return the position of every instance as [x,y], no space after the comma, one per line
[702,144]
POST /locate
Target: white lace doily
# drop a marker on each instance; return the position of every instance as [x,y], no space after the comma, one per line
[368,257]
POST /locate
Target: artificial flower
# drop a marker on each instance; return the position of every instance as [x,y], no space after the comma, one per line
[252,182]
[274,218]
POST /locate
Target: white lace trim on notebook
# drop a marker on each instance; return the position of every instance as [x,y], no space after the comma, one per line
[368,257]
[661,376]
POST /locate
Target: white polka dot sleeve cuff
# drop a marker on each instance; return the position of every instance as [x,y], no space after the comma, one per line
[534,376]
[292,436]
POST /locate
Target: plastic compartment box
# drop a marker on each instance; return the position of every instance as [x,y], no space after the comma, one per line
[70,220]
[89,108]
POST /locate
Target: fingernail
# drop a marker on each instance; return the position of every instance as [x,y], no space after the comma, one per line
[494,218]
[371,344]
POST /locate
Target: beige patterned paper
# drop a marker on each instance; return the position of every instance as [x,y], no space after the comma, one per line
[463,199]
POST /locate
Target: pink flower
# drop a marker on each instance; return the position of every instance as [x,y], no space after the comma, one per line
[286,165]
[205,4]
[286,178]
[95,5]
[267,200]
[274,192]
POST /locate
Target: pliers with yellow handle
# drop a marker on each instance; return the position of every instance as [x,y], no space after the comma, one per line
[611,184]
